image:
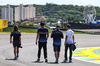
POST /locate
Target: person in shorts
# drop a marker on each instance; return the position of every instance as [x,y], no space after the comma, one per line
[41,39]
[57,34]
[16,41]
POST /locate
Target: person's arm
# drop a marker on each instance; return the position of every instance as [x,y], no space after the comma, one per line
[47,35]
[20,39]
[37,37]
[73,39]
[52,34]
[65,40]
[62,36]
[10,39]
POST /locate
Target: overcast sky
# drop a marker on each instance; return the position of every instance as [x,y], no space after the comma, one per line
[43,2]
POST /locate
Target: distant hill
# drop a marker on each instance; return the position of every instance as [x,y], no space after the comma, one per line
[69,12]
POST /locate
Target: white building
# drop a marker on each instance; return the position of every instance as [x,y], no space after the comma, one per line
[19,13]
[4,13]
[7,13]
[22,13]
[11,15]
[30,12]
[34,13]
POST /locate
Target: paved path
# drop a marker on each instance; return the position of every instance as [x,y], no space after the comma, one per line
[90,31]
[28,54]
[88,54]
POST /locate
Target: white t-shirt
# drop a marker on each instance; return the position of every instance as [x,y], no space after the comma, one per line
[70,35]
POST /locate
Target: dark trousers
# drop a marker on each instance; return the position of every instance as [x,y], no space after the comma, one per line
[44,45]
[70,49]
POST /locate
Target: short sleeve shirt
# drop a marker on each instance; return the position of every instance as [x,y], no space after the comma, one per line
[57,35]
[70,35]
[42,34]
[16,35]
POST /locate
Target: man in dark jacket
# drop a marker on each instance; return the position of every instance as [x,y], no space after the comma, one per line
[57,35]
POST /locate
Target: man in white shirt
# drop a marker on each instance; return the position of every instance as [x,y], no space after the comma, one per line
[69,40]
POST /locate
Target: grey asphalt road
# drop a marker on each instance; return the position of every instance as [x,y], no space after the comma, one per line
[28,54]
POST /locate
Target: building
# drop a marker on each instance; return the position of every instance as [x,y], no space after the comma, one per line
[19,13]
[31,11]
[22,13]
[7,13]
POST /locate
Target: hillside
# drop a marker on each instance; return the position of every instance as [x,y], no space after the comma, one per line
[68,12]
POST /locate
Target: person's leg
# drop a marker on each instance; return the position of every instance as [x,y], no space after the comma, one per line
[66,49]
[17,51]
[56,54]
[15,48]
[55,51]
[39,49]
[45,50]
[70,49]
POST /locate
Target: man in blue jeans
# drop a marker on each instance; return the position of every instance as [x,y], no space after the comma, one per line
[69,40]
[57,35]
[43,35]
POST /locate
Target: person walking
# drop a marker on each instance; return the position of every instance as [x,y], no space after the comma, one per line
[16,41]
[42,37]
[69,41]
[57,34]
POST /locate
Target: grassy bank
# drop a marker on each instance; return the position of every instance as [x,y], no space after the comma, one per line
[30,30]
